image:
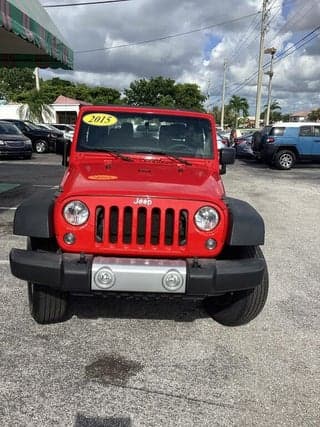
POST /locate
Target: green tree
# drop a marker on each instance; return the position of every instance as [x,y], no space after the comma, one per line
[314,115]
[104,95]
[156,91]
[216,111]
[189,96]
[34,107]
[285,117]
[164,92]
[275,111]
[51,89]
[236,105]
[15,80]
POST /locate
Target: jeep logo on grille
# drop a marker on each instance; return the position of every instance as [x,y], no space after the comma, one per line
[142,201]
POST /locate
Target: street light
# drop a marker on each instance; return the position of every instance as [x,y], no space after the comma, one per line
[271,51]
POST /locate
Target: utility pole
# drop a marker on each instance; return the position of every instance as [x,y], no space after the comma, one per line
[272,51]
[36,73]
[260,71]
[223,94]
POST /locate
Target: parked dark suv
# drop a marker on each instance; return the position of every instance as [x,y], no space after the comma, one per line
[42,140]
[13,143]
[287,143]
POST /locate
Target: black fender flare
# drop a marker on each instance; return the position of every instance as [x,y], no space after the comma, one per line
[34,216]
[246,227]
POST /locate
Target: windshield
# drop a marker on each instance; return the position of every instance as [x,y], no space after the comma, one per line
[146,133]
[9,129]
[32,126]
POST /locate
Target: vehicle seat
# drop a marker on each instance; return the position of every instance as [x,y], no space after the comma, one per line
[126,130]
[98,136]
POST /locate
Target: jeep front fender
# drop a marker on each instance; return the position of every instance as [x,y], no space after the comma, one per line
[34,216]
[246,224]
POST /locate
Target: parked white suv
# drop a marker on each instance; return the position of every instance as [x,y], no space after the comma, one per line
[68,130]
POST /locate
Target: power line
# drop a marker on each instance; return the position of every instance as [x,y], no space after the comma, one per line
[297,16]
[170,36]
[245,41]
[282,55]
[86,3]
[304,43]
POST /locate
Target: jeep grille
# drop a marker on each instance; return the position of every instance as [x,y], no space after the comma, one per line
[141,226]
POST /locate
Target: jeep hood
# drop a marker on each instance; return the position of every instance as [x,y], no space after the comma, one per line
[156,178]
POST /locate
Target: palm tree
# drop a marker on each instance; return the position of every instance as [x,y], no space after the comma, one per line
[314,115]
[216,111]
[238,104]
[34,107]
[274,106]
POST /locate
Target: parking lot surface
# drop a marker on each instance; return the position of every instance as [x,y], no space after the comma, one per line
[135,363]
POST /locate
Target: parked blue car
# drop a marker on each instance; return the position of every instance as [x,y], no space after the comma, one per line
[287,143]
[243,146]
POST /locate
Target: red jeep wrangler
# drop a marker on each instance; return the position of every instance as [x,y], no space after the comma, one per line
[142,210]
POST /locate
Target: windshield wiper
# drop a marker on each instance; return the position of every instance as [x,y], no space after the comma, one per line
[113,153]
[163,153]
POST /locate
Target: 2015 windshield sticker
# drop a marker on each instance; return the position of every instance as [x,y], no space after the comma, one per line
[99,119]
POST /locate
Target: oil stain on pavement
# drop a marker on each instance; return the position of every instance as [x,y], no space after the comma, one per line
[113,369]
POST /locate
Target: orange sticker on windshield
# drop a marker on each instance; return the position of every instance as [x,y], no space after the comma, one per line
[99,119]
[102,177]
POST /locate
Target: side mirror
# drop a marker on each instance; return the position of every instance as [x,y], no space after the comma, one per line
[227,157]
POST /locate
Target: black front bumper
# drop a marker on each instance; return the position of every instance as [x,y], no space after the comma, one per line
[72,272]
[15,152]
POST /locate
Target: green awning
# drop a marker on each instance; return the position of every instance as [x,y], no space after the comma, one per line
[29,38]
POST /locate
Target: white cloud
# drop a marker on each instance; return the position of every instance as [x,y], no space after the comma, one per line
[197,57]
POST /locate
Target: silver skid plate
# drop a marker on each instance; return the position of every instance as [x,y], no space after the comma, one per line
[138,275]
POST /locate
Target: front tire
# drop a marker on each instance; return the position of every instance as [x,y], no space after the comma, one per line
[284,159]
[41,146]
[239,308]
[46,305]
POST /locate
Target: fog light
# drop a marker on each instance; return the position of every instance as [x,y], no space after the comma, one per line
[172,280]
[69,238]
[211,244]
[104,278]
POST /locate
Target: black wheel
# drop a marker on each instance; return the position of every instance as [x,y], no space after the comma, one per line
[239,308]
[28,156]
[284,159]
[46,305]
[40,146]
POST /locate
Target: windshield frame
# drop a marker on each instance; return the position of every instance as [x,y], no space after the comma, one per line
[139,144]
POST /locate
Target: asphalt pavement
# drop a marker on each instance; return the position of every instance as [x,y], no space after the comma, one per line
[153,363]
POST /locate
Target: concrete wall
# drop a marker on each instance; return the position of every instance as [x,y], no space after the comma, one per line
[20,111]
[9,111]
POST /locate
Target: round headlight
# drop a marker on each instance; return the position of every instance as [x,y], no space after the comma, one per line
[76,212]
[206,218]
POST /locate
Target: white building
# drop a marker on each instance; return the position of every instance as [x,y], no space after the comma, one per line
[301,116]
[63,110]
